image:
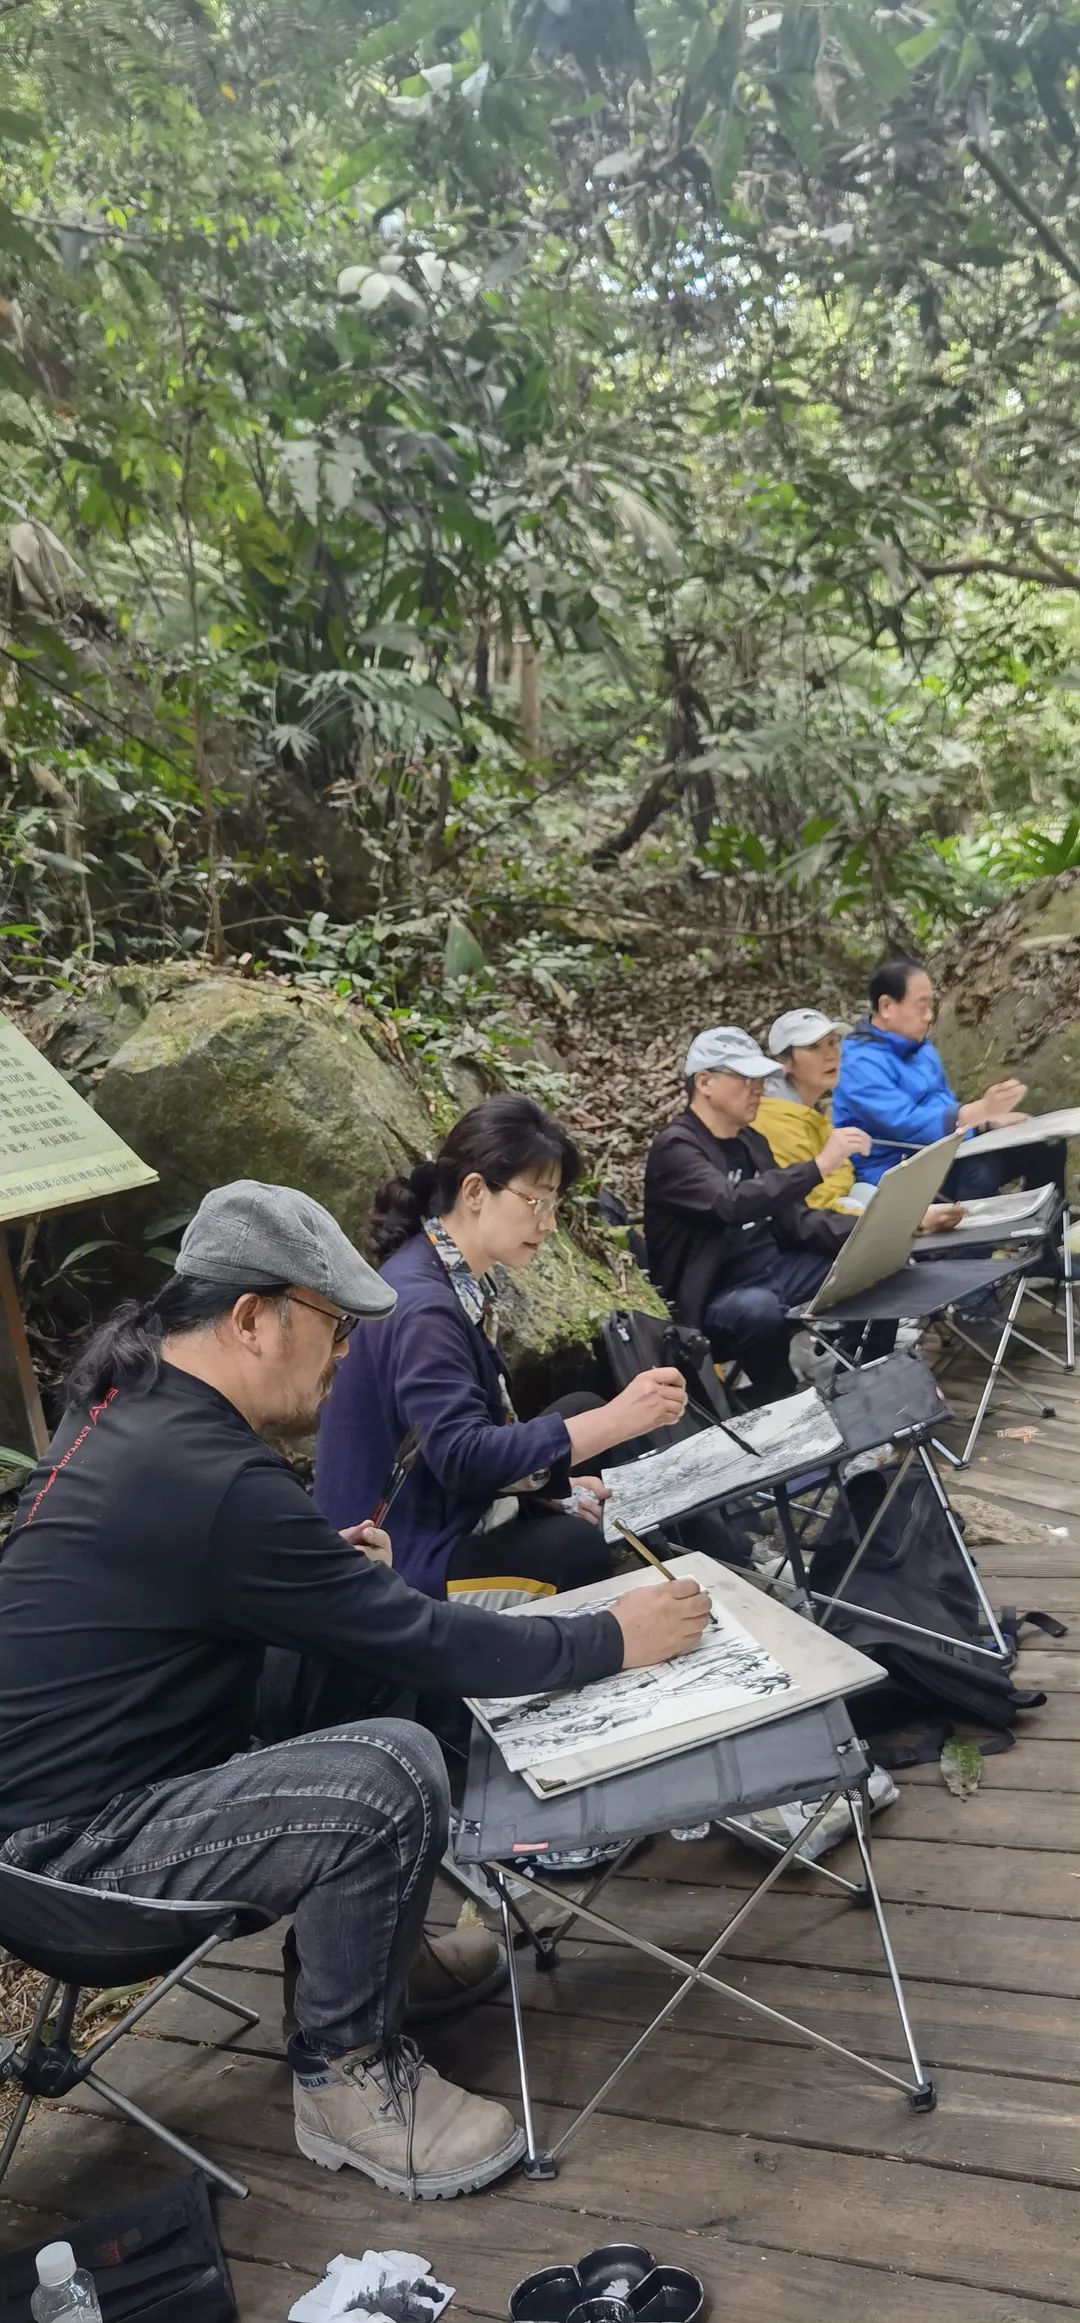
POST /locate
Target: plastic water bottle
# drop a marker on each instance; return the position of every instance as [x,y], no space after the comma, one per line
[63,2288]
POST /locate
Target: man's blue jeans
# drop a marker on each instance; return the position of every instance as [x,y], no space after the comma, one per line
[749,1320]
[343,1829]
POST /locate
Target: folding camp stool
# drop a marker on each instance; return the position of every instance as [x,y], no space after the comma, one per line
[814,1752]
[1048,1253]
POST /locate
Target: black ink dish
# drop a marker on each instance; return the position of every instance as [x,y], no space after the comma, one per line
[619,2284]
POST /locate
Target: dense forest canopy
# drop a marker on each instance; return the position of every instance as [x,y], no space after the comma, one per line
[453,452]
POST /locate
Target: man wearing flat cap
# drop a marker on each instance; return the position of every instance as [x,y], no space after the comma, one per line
[732,1243]
[159,1548]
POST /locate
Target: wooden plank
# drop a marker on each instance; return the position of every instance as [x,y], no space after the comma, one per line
[1000,1819]
[959,2026]
[1018,1483]
[1057,1668]
[1048,1593]
[1040,1768]
[1050,1561]
[1006,1952]
[1003,1952]
[1058,1720]
[964,2227]
[992,2123]
[297,2218]
[907,1870]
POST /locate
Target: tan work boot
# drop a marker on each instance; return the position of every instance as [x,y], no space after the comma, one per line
[454,1970]
[387,2113]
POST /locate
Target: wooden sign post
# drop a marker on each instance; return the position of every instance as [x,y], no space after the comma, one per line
[55,1154]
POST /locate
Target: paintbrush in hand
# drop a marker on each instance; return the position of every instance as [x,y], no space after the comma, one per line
[634,1543]
[404,1461]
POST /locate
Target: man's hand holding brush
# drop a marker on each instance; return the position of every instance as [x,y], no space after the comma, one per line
[658,1624]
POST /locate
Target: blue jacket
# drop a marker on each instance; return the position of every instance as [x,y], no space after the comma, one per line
[895,1089]
[426,1366]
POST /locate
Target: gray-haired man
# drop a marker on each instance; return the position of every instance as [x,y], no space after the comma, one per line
[731,1241]
[159,1547]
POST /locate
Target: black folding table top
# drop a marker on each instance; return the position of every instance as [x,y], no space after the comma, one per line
[800,1757]
[916,1292]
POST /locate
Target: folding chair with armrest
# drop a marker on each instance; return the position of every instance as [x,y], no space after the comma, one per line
[81,1936]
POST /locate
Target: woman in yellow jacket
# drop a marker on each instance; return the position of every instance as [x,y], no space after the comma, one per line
[794,1113]
[795,1118]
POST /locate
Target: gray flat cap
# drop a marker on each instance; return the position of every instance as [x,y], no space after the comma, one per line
[249,1236]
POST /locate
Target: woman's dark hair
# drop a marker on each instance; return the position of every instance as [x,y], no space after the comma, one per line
[498,1140]
[891,980]
[126,1351]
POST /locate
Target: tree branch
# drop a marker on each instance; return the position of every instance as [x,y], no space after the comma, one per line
[1051,242]
[1049,576]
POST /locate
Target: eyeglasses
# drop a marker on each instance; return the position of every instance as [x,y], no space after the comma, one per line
[544,1207]
[344,1325]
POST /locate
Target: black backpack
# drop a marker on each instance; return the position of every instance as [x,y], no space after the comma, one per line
[910,1571]
[157,2259]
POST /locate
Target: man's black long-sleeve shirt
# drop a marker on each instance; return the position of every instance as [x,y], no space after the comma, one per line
[716,1208]
[158,1547]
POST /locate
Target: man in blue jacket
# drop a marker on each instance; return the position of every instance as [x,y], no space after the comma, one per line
[893,1084]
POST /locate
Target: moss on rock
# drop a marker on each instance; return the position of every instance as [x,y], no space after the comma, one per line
[211,1077]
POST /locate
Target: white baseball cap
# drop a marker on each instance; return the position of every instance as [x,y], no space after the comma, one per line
[725,1049]
[799,1028]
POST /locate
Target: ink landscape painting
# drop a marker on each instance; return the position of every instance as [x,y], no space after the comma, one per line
[757,1661]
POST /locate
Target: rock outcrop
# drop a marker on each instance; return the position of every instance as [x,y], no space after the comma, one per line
[211,1077]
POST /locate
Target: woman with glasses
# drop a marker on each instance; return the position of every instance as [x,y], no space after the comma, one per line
[488,1509]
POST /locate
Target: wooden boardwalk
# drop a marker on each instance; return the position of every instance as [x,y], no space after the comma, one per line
[796,2188]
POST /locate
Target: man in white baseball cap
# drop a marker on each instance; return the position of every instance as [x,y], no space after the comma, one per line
[794,1114]
[731,1241]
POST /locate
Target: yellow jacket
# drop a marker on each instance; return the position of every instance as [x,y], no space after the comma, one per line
[796,1133]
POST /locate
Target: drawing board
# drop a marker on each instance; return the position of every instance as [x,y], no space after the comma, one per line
[757,1662]
[880,1240]
[1040,1130]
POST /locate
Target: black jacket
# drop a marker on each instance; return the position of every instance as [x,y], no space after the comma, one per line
[158,1547]
[696,1208]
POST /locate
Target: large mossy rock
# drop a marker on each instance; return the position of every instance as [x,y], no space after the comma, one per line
[1009,998]
[210,1077]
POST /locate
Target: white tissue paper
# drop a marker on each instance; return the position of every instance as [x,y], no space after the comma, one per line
[385,2286]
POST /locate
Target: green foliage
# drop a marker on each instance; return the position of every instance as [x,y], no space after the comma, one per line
[725,355]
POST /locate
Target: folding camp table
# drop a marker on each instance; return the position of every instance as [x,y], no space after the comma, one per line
[925,1291]
[815,1752]
[896,1401]
[1044,1252]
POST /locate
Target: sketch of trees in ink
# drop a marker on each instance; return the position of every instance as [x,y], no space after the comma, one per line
[728,1671]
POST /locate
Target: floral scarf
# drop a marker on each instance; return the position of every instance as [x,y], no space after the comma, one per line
[478,1296]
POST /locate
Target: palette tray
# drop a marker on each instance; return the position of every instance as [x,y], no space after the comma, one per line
[620,2283]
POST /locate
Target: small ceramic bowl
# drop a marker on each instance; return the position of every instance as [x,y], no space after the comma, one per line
[621,2283]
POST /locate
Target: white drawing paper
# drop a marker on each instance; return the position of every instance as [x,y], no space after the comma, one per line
[761,1662]
[797,1432]
[729,1671]
[1000,1211]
